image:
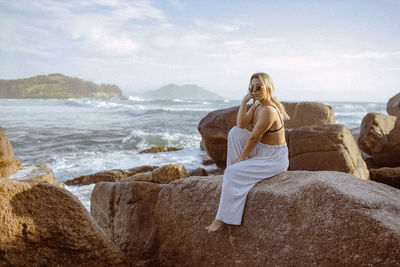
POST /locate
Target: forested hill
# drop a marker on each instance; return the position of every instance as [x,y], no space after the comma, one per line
[56,86]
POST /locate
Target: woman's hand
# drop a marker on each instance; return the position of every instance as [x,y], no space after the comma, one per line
[247,98]
[236,161]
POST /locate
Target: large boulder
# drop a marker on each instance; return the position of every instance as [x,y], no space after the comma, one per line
[215,126]
[297,218]
[373,127]
[308,113]
[214,129]
[387,151]
[393,106]
[125,212]
[44,225]
[326,147]
[8,162]
[389,176]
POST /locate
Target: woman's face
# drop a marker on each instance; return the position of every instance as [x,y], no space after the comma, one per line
[257,90]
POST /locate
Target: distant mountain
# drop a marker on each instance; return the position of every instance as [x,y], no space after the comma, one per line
[56,86]
[183,92]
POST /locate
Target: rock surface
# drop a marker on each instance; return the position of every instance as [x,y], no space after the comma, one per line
[162,175]
[103,176]
[158,149]
[37,172]
[373,127]
[215,126]
[393,106]
[198,172]
[43,225]
[141,169]
[109,176]
[126,209]
[297,218]
[144,176]
[387,151]
[8,162]
[325,147]
[308,113]
[389,176]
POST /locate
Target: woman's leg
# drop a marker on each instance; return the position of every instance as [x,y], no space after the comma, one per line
[237,138]
[240,178]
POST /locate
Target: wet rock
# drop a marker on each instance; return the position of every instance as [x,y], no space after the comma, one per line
[162,175]
[140,169]
[206,160]
[198,172]
[217,171]
[103,176]
[160,149]
[144,176]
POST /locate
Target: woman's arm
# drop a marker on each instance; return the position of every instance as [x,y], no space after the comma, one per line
[243,118]
[264,122]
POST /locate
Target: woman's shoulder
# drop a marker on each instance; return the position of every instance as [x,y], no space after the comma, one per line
[269,109]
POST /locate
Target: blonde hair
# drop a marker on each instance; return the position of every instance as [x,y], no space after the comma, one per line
[267,82]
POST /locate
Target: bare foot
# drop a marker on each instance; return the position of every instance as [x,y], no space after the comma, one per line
[215,226]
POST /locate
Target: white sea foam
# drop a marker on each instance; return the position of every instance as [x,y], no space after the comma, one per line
[135,98]
[175,139]
[177,100]
[108,105]
[83,193]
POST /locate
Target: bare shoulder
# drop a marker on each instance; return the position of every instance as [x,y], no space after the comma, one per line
[268,111]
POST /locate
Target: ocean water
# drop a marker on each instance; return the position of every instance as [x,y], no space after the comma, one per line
[76,137]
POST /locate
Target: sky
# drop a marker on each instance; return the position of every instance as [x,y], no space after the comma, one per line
[322,50]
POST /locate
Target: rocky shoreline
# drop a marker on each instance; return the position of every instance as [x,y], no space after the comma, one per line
[324,210]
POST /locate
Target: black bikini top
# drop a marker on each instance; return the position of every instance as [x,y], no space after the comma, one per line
[270,131]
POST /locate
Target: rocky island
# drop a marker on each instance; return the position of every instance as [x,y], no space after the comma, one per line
[56,86]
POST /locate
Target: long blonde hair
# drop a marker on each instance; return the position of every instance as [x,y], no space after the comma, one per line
[267,82]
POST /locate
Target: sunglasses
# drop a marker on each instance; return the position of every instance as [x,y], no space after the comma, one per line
[255,88]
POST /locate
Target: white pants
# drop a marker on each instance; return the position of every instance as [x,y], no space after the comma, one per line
[264,161]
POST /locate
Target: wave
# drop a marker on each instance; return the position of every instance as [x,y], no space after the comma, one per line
[107,105]
[135,98]
[153,138]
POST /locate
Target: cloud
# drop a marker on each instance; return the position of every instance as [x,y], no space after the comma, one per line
[225,27]
[177,4]
[103,35]
[368,55]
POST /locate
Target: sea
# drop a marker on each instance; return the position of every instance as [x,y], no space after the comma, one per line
[77,137]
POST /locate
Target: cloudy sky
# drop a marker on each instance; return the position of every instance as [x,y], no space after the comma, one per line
[343,50]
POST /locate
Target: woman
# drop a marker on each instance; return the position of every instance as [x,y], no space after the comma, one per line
[256,150]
